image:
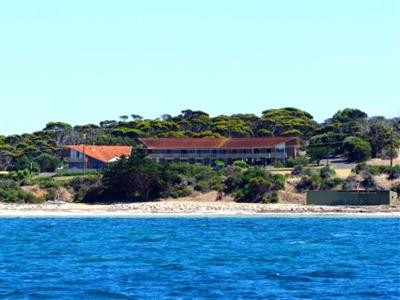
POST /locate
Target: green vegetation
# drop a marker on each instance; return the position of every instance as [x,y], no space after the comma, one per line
[349,132]
[139,179]
[356,149]
[318,179]
[391,172]
[254,185]
[11,192]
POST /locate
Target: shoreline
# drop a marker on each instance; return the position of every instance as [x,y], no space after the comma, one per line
[191,209]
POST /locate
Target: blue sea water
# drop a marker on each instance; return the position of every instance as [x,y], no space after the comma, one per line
[199,258]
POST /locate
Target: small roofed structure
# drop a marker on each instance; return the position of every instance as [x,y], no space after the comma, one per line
[94,157]
[263,151]
[352,198]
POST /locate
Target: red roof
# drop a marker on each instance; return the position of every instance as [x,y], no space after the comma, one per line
[102,153]
[214,143]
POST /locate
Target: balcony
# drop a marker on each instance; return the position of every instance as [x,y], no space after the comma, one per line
[75,160]
[221,156]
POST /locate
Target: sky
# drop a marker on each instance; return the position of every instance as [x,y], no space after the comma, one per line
[85,61]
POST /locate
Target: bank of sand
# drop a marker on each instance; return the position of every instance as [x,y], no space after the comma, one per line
[187,208]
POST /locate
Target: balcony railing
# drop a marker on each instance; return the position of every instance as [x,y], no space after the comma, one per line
[221,156]
[75,160]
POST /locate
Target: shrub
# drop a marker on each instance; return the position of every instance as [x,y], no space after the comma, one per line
[394,173]
[254,191]
[20,176]
[351,183]
[396,189]
[17,195]
[331,183]
[46,183]
[7,183]
[83,185]
[368,181]
[253,185]
[298,161]
[240,164]
[179,191]
[279,164]
[47,162]
[24,162]
[319,181]
[135,178]
[326,172]
[313,182]
[298,170]
[356,149]
[373,169]
[200,177]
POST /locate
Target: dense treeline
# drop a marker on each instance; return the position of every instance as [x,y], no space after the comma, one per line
[349,132]
[140,179]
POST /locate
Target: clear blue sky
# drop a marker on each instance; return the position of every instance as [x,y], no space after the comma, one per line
[86,61]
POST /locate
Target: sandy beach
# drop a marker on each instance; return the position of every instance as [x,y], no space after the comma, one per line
[187,208]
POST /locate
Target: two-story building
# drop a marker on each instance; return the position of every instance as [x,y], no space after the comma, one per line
[94,157]
[262,151]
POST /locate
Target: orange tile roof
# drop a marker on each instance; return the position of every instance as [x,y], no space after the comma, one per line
[214,143]
[102,153]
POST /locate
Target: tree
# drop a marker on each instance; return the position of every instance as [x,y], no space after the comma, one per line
[166,117]
[124,118]
[253,185]
[285,120]
[348,115]
[379,135]
[136,178]
[48,162]
[57,126]
[136,117]
[317,152]
[24,162]
[356,149]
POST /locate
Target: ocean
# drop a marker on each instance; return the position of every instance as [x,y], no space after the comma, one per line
[200,258]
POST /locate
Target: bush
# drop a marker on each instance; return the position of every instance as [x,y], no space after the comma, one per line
[47,162]
[351,183]
[309,183]
[321,180]
[179,191]
[298,161]
[373,169]
[23,162]
[200,177]
[7,183]
[254,191]
[356,149]
[83,185]
[368,181]
[240,163]
[46,182]
[135,178]
[298,170]
[253,185]
[17,195]
[331,183]
[394,173]
[279,164]
[326,172]
[20,176]
[396,189]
